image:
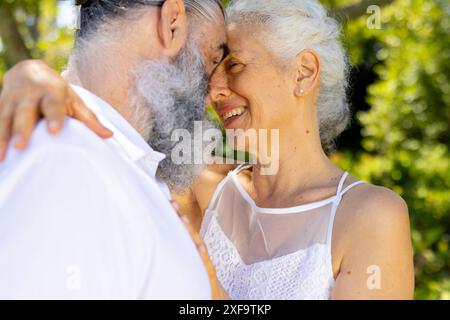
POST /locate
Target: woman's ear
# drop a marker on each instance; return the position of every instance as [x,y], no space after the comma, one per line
[173,27]
[308,69]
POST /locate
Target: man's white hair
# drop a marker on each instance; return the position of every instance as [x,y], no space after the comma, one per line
[288,27]
[205,9]
[96,13]
[105,23]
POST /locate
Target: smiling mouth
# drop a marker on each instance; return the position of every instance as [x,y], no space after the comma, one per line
[233,113]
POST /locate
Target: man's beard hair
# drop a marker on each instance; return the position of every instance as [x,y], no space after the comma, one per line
[171,96]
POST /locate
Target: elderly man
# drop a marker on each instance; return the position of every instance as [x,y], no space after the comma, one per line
[97,222]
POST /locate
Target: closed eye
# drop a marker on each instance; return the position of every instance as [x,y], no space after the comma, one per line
[235,66]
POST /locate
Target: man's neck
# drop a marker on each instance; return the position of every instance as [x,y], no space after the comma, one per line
[110,82]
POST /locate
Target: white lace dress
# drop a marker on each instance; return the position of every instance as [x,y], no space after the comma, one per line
[267,253]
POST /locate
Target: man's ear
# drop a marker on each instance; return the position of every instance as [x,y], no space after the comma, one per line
[308,69]
[173,27]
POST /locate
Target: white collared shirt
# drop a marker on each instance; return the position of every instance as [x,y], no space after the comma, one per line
[85,218]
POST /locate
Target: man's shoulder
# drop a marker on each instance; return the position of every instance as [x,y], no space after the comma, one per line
[80,161]
[74,141]
[75,136]
[77,172]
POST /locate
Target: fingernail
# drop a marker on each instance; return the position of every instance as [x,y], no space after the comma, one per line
[102,129]
[53,126]
[109,132]
[18,141]
[105,128]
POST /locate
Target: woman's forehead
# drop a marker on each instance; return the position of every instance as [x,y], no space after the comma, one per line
[242,32]
[243,40]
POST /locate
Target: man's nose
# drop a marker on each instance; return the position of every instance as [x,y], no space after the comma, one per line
[218,89]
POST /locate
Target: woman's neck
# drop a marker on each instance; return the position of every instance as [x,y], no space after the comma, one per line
[303,167]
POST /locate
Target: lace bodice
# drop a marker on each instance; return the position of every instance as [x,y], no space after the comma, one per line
[266,253]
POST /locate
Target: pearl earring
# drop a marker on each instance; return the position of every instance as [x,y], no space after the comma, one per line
[302,91]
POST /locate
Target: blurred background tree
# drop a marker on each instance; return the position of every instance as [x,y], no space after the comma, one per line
[400,96]
[403,119]
[35,29]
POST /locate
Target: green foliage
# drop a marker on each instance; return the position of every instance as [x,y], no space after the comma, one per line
[36,24]
[406,130]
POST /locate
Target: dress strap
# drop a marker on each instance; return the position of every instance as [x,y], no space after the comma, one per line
[222,184]
[341,183]
[242,167]
[339,194]
[354,184]
[216,196]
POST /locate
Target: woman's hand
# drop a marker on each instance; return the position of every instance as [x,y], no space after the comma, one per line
[31,89]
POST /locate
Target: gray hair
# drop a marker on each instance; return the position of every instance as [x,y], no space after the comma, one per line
[291,26]
[95,12]
[169,97]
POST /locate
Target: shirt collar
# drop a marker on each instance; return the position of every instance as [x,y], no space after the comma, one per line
[137,149]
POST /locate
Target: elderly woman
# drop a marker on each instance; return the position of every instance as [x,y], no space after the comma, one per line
[310,231]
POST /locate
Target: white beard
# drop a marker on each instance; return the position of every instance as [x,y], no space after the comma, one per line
[171,96]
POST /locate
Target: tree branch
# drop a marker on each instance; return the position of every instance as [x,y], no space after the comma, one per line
[354,11]
[15,48]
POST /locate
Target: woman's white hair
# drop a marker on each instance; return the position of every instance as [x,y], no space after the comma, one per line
[288,27]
